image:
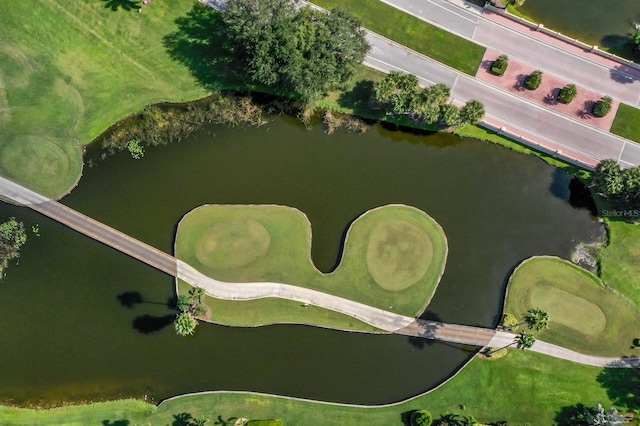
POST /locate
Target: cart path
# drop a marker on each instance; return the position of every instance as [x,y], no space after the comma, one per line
[384,320]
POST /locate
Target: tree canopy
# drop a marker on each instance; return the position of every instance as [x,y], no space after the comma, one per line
[301,50]
[620,187]
[400,94]
[12,237]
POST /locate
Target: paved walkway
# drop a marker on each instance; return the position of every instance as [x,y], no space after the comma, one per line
[376,317]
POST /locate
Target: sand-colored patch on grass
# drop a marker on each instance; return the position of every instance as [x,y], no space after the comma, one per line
[233,244]
[398,254]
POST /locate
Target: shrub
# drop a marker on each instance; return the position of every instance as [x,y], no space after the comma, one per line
[533,80]
[602,107]
[499,66]
[421,418]
[567,94]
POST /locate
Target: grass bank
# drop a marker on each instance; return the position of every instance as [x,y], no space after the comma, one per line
[585,316]
[393,259]
[620,259]
[627,123]
[522,387]
[414,33]
[68,77]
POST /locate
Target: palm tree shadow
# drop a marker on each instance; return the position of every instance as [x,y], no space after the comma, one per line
[129,299]
[201,45]
[147,324]
[127,5]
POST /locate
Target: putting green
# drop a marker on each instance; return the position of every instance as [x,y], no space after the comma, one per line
[398,254]
[584,314]
[41,162]
[569,309]
[233,243]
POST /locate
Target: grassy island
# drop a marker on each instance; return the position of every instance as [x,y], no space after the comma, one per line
[585,315]
[393,259]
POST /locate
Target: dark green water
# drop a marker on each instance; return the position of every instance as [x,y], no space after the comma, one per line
[66,337]
[603,23]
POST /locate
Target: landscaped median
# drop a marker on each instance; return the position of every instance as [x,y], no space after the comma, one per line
[393,259]
[585,316]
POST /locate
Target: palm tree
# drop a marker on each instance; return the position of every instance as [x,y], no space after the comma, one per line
[185,324]
[537,319]
[524,340]
[472,112]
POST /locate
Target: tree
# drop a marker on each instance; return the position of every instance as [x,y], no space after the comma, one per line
[524,340]
[597,416]
[537,319]
[301,50]
[567,94]
[499,66]
[472,112]
[450,115]
[185,324]
[421,418]
[620,187]
[12,238]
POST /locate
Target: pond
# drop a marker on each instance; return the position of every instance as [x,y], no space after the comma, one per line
[66,336]
[605,24]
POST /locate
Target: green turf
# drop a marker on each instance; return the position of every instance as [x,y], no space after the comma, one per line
[72,72]
[414,33]
[627,123]
[288,260]
[254,313]
[620,260]
[522,387]
[585,316]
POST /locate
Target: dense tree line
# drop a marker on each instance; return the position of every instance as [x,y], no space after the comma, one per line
[401,94]
[12,237]
[296,49]
[621,187]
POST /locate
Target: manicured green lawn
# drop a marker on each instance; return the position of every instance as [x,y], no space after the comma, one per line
[520,387]
[71,73]
[627,123]
[585,316]
[414,33]
[393,259]
[620,260]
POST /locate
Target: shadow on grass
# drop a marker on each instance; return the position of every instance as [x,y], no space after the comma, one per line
[127,5]
[358,99]
[201,45]
[573,415]
[622,386]
[116,423]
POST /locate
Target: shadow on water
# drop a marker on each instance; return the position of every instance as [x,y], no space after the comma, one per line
[398,133]
[147,324]
[580,197]
[127,5]
[613,40]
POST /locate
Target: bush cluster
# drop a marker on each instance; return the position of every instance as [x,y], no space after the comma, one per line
[602,107]
[533,80]
[567,94]
[499,66]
